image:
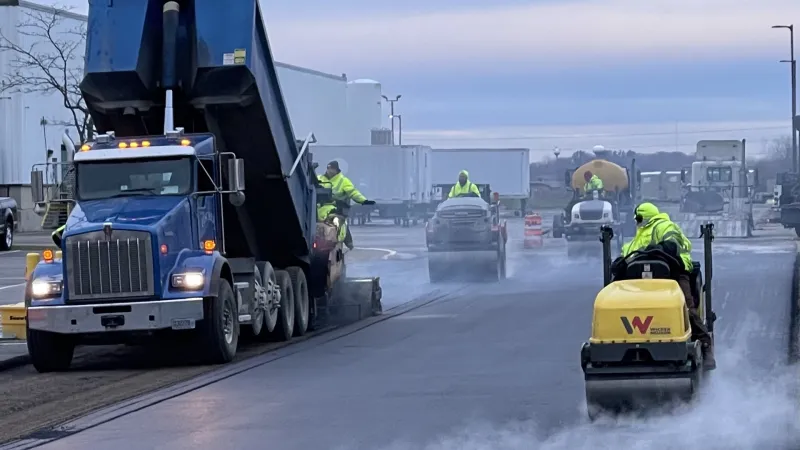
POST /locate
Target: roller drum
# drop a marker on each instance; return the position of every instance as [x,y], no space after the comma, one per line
[626,395]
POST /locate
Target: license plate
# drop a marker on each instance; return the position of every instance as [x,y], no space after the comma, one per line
[183,324]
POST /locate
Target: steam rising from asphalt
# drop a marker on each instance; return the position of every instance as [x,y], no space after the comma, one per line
[743,407]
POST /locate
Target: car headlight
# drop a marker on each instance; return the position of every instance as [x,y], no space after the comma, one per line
[45,288]
[189,281]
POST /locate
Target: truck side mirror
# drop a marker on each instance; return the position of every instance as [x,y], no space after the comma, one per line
[496,197]
[755,177]
[638,178]
[568,178]
[37,186]
[236,175]
[236,181]
[683,176]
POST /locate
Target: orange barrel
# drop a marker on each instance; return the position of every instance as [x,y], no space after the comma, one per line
[533,231]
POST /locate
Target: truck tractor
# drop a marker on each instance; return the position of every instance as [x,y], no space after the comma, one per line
[720,190]
[587,212]
[162,243]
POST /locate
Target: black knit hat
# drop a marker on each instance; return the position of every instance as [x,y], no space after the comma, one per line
[334,164]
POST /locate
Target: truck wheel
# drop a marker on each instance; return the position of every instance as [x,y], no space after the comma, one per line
[558,227]
[270,316]
[8,236]
[434,273]
[301,300]
[285,328]
[220,326]
[50,352]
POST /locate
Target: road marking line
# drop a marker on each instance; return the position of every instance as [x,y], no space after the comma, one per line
[13,285]
[9,252]
[389,252]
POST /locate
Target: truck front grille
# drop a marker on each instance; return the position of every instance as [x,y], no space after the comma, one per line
[592,214]
[462,214]
[101,268]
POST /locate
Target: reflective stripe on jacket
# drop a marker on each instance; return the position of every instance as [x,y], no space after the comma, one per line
[468,187]
[657,230]
[342,187]
[595,183]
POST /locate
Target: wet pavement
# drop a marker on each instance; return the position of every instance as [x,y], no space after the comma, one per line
[484,366]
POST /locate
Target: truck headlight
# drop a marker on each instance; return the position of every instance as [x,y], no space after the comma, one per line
[605,215]
[45,288]
[189,281]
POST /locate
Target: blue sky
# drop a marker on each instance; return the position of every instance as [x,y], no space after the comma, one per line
[525,68]
[539,65]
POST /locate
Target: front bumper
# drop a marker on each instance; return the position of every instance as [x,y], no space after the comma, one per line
[133,316]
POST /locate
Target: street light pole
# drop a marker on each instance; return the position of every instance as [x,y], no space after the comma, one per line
[391,112]
[793,65]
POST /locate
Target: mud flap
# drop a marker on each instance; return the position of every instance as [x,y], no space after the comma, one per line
[725,228]
[354,299]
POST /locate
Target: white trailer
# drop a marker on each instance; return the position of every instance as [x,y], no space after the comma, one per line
[396,177]
[506,170]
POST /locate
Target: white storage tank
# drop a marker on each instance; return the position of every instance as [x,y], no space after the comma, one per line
[363,110]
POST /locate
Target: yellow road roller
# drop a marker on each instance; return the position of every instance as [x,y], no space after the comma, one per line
[641,355]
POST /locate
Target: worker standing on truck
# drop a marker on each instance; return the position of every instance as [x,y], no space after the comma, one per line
[655,228]
[343,192]
[464,186]
[593,182]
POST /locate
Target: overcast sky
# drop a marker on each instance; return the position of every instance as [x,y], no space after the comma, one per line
[557,67]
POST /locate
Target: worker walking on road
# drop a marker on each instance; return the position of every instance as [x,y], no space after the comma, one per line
[593,182]
[656,228]
[343,192]
[464,186]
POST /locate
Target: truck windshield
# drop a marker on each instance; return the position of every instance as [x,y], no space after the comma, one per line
[719,174]
[122,178]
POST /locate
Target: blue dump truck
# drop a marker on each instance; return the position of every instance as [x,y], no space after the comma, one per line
[161,242]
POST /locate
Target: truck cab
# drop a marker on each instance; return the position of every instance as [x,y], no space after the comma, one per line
[161,240]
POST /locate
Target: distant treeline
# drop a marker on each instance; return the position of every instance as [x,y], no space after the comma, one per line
[777,160]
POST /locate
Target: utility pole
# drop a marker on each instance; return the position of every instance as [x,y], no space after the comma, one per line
[391,112]
[793,65]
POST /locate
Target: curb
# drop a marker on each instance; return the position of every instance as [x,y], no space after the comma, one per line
[794,312]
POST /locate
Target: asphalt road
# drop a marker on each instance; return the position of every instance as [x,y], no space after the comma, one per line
[486,367]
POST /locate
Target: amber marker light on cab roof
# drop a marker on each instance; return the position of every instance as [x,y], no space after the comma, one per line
[185,142]
[47,255]
[209,246]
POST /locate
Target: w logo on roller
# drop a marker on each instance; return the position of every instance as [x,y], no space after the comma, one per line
[636,323]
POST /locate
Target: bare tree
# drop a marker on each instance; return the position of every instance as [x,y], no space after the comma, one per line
[780,149]
[46,58]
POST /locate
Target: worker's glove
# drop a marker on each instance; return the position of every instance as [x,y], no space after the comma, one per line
[368,202]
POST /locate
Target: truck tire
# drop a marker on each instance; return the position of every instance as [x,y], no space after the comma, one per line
[50,352]
[302,306]
[270,317]
[219,330]
[8,235]
[435,274]
[285,328]
[558,227]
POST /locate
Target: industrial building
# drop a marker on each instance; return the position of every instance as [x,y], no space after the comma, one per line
[337,111]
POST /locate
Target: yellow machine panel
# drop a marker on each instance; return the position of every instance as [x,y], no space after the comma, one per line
[614,177]
[639,311]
